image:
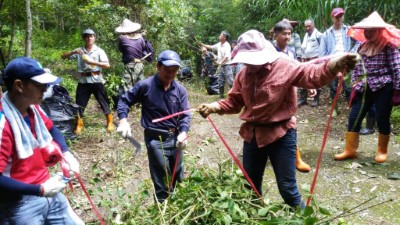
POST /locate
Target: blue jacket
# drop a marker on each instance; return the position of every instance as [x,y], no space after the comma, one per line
[327,45]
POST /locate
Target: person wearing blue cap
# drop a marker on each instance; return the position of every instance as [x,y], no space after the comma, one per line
[160,96]
[29,143]
[91,61]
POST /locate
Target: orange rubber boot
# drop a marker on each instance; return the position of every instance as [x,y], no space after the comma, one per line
[110,125]
[79,126]
[381,153]
[350,150]
[300,165]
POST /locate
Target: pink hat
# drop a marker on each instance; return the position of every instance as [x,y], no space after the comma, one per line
[375,21]
[337,12]
[252,48]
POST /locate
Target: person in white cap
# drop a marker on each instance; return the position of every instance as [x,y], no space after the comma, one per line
[376,82]
[264,92]
[134,48]
[91,60]
[29,142]
[160,95]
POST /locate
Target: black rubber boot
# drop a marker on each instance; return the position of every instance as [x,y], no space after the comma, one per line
[370,126]
[316,99]
[302,97]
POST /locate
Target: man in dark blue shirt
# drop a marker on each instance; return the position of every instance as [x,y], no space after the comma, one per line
[160,96]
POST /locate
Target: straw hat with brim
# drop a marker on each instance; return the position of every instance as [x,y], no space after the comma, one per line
[128,26]
[375,21]
[254,49]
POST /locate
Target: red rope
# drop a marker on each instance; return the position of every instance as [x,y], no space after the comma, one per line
[178,154]
[314,182]
[66,174]
[236,161]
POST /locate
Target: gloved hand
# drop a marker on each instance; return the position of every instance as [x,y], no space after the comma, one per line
[207,109]
[53,185]
[181,141]
[77,51]
[71,163]
[396,98]
[348,61]
[124,129]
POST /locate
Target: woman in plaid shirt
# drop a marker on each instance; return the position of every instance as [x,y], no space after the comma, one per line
[376,80]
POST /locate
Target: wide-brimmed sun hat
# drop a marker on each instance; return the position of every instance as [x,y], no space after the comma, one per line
[252,48]
[128,26]
[375,21]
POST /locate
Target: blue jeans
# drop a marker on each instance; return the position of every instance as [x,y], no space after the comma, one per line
[162,156]
[37,210]
[282,154]
[382,99]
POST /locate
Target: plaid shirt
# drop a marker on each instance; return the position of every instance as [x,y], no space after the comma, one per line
[382,68]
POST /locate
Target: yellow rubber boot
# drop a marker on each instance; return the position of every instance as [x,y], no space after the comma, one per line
[350,150]
[110,125]
[300,165]
[381,153]
[79,126]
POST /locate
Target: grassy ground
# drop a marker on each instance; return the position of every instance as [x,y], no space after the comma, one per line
[112,172]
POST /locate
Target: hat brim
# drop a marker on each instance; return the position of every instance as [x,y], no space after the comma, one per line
[255,57]
[130,29]
[170,63]
[338,14]
[47,78]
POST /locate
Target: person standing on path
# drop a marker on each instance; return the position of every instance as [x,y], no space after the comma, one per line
[264,92]
[310,49]
[224,69]
[160,95]
[28,193]
[91,60]
[134,47]
[376,82]
[282,33]
[335,41]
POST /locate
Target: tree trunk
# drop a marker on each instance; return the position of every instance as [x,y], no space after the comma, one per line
[12,32]
[28,39]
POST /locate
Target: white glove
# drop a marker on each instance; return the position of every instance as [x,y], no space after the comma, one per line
[53,185]
[124,129]
[72,163]
[181,141]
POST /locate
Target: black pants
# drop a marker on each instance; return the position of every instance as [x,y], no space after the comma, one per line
[162,154]
[84,91]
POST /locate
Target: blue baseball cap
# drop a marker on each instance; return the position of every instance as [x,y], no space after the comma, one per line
[89,32]
[28,68]
[169,58]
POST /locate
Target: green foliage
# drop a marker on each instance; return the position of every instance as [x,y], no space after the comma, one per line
[205,197]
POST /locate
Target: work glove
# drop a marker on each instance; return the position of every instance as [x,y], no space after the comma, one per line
[396,98]
[53,185]
[348,61]
[124,129]
[70,162]
[207,109]
[181,141]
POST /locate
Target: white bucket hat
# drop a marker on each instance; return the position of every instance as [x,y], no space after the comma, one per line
[252,48]
[128,26]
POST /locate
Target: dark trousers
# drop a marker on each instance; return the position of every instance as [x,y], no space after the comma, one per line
[162,155]
[84,91]
[382,99]
[333,88]
[282,154]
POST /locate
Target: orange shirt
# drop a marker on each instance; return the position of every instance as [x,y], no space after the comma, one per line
[268,100]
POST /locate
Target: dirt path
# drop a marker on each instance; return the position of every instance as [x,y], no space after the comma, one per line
[110,165]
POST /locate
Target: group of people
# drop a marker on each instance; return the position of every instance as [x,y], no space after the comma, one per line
[264,92]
